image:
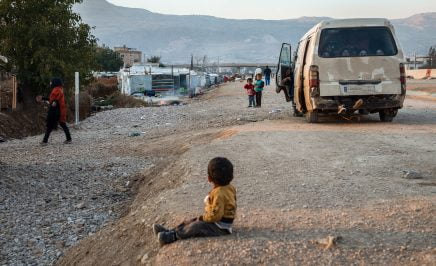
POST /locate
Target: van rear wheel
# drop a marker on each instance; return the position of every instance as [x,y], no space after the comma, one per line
[387,115]
[312,116]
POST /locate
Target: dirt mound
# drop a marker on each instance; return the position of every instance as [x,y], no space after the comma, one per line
[20,124]
[25,123]
[135,240]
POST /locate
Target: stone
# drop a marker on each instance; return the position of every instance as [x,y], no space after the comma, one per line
[80,206]
[412,174]
[144,258]
[134,134]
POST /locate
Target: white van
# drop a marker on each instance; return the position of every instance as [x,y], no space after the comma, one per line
[343,67]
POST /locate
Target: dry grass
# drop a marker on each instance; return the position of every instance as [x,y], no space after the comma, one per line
[103,87]
[106,90]
[85,104]
[124,101]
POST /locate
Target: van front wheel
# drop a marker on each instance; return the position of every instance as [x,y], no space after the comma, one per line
[312,116]
[387,115]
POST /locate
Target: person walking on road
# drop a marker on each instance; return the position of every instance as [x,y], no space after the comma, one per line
[267,74]
[258,88]
[57,112]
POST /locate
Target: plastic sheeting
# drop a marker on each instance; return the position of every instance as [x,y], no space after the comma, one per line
[140,79]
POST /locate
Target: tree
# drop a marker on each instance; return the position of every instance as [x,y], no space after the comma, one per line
[43,39]
[154,59]
[201,62]
[107,59]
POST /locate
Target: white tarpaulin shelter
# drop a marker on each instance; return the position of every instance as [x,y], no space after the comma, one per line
[143,78]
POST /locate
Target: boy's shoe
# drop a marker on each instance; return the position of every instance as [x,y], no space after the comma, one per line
[43,143]
[157,228]
[68,141]
[165,238]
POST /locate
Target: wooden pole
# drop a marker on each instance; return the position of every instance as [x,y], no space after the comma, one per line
[76,94]
[0,93]
[14,92]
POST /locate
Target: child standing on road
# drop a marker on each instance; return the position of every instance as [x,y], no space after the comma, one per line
[258,87]
[249,87]
[220,208]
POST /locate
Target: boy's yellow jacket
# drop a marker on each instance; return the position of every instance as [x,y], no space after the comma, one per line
[220,205]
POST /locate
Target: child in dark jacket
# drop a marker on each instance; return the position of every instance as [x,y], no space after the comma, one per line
[249,87]
[220,208]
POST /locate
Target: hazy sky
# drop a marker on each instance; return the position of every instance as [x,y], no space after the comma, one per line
[284,9]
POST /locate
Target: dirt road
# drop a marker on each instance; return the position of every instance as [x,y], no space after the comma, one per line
[297,184]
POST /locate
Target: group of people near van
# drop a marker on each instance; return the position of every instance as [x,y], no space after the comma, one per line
[254,88]
[254,91]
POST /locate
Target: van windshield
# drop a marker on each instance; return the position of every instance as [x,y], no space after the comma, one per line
[357,42]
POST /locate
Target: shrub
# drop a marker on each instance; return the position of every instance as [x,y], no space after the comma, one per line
[85,104]
[103,87]
[124,101]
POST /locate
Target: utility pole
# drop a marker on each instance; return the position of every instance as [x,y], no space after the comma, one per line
[415,60]
[172,77]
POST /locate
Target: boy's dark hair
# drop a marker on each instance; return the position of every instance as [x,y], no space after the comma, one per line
[249,79]
[220,171]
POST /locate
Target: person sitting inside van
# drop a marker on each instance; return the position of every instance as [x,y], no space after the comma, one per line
[327,50]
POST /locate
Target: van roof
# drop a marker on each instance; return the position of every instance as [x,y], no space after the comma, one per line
[353,22]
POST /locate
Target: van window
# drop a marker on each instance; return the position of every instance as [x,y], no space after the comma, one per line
[357,42]
[285,56]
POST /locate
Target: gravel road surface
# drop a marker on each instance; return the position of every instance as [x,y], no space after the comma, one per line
[92,202]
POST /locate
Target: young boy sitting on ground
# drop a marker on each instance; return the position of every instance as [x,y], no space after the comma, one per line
[220,208]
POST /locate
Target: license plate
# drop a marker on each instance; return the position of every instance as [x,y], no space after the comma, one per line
[357,89]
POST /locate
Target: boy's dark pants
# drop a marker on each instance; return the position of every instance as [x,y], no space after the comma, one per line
[50,129]
[251,101]
[259,98]
[197,228]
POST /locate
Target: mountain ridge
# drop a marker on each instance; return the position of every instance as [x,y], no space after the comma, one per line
[176,37]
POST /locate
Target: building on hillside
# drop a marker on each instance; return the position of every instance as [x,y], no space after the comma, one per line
[130,56]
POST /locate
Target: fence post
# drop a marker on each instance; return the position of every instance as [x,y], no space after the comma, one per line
[1,93]
[14,92]
[77,98]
